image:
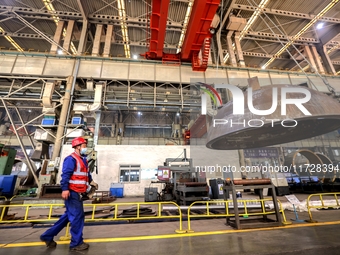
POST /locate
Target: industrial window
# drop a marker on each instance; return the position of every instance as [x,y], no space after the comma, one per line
[129,173]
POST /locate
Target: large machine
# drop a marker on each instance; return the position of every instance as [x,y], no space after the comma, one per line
[76,126]
[181,182]
[8,182]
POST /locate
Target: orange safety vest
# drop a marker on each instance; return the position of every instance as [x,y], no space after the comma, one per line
[80,177]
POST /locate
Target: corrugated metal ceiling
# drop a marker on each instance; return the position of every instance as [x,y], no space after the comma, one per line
[140,9]
[303,6]
[177,11]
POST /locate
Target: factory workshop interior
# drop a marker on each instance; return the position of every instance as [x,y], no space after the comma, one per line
[211,126]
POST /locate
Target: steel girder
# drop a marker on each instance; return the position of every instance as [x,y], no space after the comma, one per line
[158,21]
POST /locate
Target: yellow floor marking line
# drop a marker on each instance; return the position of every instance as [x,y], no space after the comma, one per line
[168,236]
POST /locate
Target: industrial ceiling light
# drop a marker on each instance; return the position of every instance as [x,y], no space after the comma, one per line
[185,24]
[123,26]
[60,52]
[320,25]
[135,57]
[303,30]
[226,57]
[254,17]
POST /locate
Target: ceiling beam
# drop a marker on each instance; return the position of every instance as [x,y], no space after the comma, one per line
[329,35]
[250,22]
[47,38]
[260,55]
[84,12]
[291,14]
[281,36]
[257,55]
[132,24]
[37,36]
[302,31]
[24,35]
[78,16]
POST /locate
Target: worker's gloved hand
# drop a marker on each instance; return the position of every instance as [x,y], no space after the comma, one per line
[91,192]
[95,185]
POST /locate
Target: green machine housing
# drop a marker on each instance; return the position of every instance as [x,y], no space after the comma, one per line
[7,157]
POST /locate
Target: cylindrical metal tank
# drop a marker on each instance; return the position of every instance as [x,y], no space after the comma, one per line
[324,118]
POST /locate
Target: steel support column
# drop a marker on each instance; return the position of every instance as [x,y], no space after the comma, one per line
[83,38]
[317,59]
[63,116]
[68,37]
[57,36]
[108,41]
[326,59]
[222,24]
[241,158]
[239,53]
[65,110]
[310,58]
[330,35]
[231,52]
[30,166]
[97,127]
[97,38]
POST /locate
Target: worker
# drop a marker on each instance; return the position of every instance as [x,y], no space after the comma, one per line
[75,179]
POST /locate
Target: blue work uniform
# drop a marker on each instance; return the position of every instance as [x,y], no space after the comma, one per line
[74,207]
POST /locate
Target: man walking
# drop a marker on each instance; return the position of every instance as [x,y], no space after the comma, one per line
[75,180]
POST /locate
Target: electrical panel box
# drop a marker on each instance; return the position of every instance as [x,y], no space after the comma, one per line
[73,133]
[43,136]
[236,23]
[150,194]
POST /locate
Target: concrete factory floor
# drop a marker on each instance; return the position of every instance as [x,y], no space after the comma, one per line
[211,236]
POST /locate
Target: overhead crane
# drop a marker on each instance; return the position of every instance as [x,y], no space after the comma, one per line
[197,41]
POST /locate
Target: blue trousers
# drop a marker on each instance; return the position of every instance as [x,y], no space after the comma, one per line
[75,215]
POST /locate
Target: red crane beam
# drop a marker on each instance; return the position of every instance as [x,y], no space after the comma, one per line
[202,14]
[158,22]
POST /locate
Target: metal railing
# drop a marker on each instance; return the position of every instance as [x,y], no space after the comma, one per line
[322,204]
[227,212]
[117,207]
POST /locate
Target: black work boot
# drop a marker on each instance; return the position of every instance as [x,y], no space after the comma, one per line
[49,244]
[80,247]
